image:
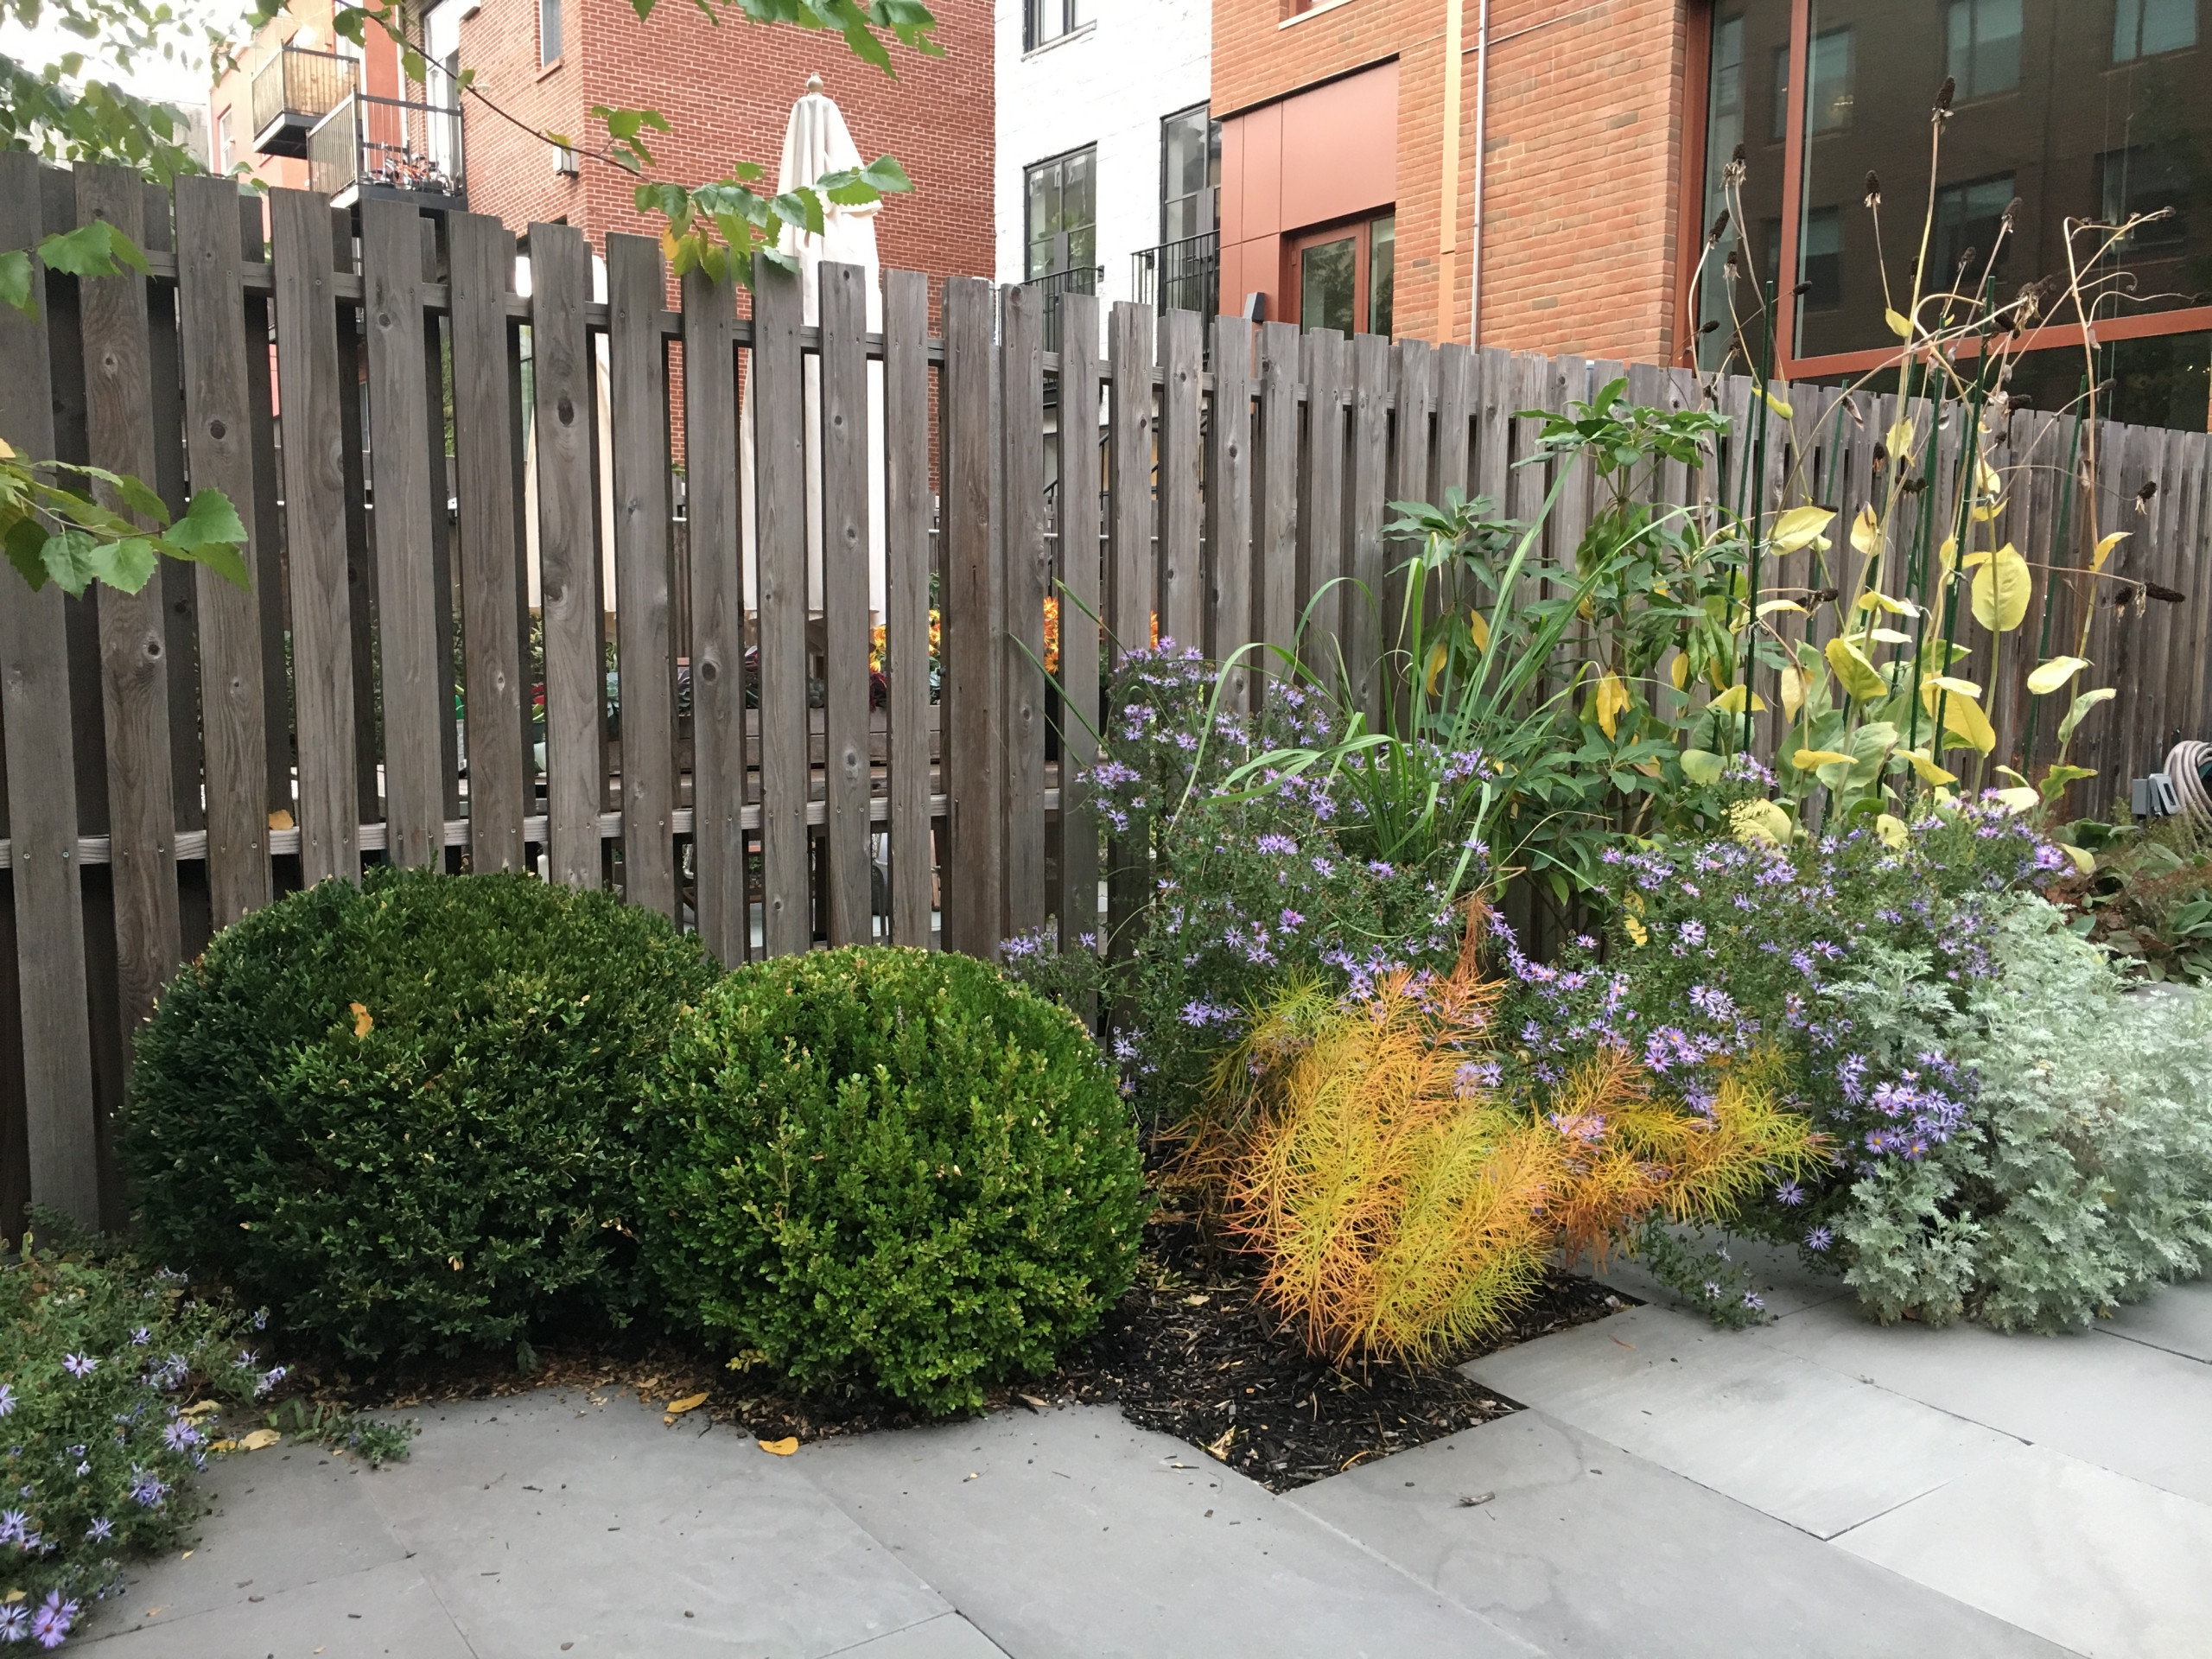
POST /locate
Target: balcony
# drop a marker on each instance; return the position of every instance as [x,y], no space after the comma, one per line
[389,147]
[1084,279]
[1182,276]
[292,92]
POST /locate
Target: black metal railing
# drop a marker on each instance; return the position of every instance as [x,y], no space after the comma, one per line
[1084,279]
[294,90]
[1182,276]
[387,146]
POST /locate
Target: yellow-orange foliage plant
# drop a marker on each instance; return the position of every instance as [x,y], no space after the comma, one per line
[1402,1212]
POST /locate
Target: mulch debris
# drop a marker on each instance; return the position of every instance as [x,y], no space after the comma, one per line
[1189,1351]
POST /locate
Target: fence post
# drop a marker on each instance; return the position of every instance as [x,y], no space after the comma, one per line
[1076,903]
[845,530]
[1027,576]
[906,595]
[1229,505]
[779,517]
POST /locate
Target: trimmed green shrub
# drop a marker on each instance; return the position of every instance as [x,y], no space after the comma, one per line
[882,1168]
[405,1116]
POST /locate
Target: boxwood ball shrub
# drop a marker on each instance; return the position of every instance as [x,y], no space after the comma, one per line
[405,1116]
[884,1169]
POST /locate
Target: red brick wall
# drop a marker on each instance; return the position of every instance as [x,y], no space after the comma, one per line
[1585,155]
[727,92]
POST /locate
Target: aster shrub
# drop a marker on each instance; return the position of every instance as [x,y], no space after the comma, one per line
[109,1372]
[881,1168]
[405,1116]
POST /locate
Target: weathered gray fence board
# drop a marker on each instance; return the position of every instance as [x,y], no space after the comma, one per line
[779,517]
[1228,507]
[568,554]
[61,1144]
[906,596]
[637,372]
[1182,451]
[1324,595]
[134,647]
[1366,487]
[417,669]
[490,487]
[1026,576]
[845,533]
[218,439]
[973,715]
[1275,549]
[717,603]
[1076,903]
[1130,579]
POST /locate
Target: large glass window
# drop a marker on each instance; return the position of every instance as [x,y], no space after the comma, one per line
[1346,275]
[1063,216]
[2142,29]
[1985,46]
[1190,174]
[549,31]
[2063,110]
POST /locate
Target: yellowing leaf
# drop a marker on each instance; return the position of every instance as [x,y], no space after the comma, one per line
[688,1402]
[1935,683]
[1887,635]
[258,1439]
[1899,325]
[1866,533]
[2083,704]
[1759,820]
[1929,770]
[2082,860]
[667,243]
[1800,527]
[1794,686]
[363,1023]
[1701,765]
[1858,677]
[1612,703]
[1776,404]
[2055,673]
[1679,671]
[1733,700]
[782,1448]
[1897,441]
[1948,554]
[1767,608]
[1637,931]
[1479,630]
[1873,601]
[2105,547]
[2002,589]
[2019,797]
[1962,716]
[1810,759]
[1437,658]
[1890,829]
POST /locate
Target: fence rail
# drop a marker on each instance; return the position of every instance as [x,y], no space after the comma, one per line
[419,687]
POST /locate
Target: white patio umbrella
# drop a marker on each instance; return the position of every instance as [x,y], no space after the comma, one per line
[816,141]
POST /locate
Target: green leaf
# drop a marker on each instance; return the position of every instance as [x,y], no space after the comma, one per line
[1701,765]
[124,564]
[2083,704]
[26,548]
[139,498]
[16,282]
[97,248]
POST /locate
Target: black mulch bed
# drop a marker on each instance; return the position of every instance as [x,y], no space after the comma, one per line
[1189,1351]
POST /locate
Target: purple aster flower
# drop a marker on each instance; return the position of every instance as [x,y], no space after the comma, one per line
[50,1625]
[100,1531]
[80,1364]
[14,1526]
[1790,1194]
[1753,1300]
[7,1399]
[180,1436]
[14,1623]
[140,1337]
[148,1488]
[1278,846]
[1819,1239]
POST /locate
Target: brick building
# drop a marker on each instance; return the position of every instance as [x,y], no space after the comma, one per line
[727,92]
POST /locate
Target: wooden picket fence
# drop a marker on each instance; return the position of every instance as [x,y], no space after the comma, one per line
[175,759]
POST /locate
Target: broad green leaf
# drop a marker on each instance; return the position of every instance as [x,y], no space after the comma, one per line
[2083,704]
[1701,765]
[208,517]
[1891,830]
[26,550]
[1760,820]
[2055,673]
[2002,590]
[123,564]
[1858,677]
[16,280]
[2056,780]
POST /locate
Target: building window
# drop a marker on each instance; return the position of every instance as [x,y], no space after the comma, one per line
[2142,179]
[1982,50]
[1063,214]
[1781,127]
[2143,28]
[549,32]
[1827,94]
[1190,174]
[1969,218]
[1048,19]
[1820,262]
[1345,275]
[224,158]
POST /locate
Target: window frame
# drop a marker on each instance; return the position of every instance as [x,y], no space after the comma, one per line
[1028,227]
[555,36]
[1069,15]
[1691,229]
[1359,230]
[1213,150]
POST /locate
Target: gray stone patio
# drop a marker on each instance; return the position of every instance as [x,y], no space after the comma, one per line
[1816,1486]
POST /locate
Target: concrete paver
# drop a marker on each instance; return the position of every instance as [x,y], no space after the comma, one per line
[1072,1532]
[1793,1439]
[383,1611]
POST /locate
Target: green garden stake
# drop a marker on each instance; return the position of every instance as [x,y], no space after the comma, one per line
[2058,561]
[1758,515]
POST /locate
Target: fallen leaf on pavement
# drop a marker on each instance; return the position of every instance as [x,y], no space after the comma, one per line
[782,1448]
[688,1402]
